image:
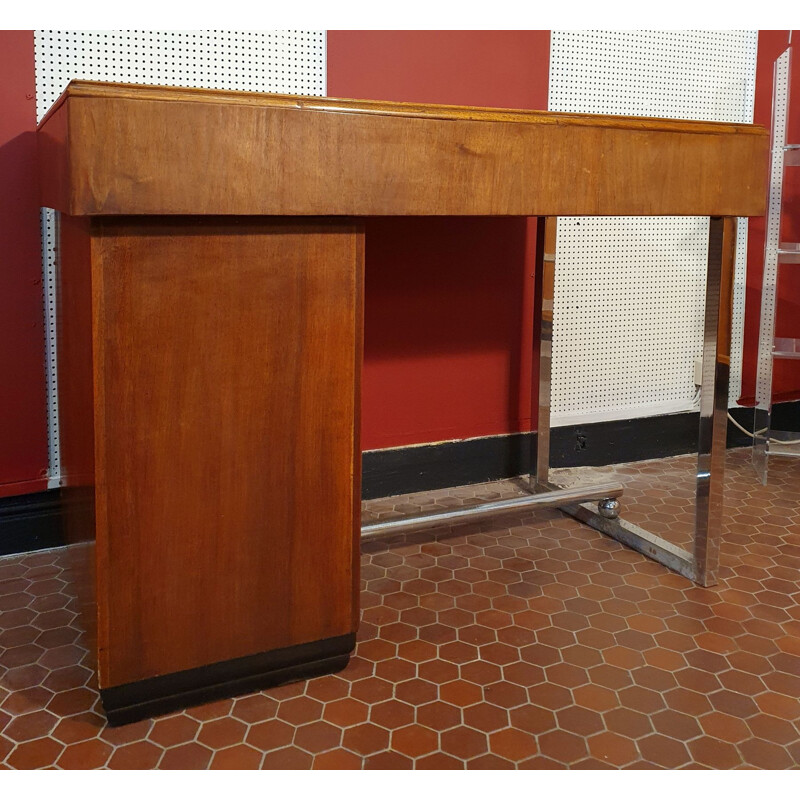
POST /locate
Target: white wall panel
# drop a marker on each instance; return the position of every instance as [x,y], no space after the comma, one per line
[285,62]
[630,291]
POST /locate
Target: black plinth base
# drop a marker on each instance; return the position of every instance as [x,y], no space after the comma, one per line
[152,697]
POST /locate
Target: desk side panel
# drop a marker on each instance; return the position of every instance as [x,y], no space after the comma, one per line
[182,157]
[228,374]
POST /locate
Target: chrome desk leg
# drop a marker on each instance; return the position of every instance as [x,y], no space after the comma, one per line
[700,565]
[603,515]
[543,307]
[714,399]
[544,294]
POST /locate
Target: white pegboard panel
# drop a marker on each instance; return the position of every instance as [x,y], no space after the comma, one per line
[630,340]
[634,369]
[49,223]
[284,62]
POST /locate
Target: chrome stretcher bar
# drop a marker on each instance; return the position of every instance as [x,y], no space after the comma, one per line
[702,562]
[556,497]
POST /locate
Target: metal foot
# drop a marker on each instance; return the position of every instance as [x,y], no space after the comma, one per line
[608,507]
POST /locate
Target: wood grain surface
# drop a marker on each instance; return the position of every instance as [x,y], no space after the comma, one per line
[145,150]
[226,365]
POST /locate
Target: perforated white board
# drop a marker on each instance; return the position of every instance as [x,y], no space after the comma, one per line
[284,62]
[630,292]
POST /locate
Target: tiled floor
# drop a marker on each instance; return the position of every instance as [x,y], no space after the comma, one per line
[529,641]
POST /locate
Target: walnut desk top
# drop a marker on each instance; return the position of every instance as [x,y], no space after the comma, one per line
[121,149]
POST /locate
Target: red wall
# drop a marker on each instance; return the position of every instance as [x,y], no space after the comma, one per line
[448,302]
[786,375]
[23,415]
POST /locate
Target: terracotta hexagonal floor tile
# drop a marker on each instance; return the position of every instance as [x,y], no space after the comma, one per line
[523,674]
[125,734]
[395,670]
[541,762]
[438,761]
[553,697]
[80,728]
[35,754]
[316,737]
[220,733]
[287,758]
[640,699]
[742,682]
[388,760]
[438,716]
[392,714]
[270,735]
[186,756]
[562,746]
[461,693]
[480,672]
[687,701]
[16,703]
[91,754]
[582,721]
[416,691]
[632,724]
[240,756]
[772,729]
[371,690]
[463,742]
[30,726]
[458,652]
[60,680]
[345,712]
[724,727]
[663,751]
[365,739]
[766,755]
[72,701]
[416,651]
[257,707]
[170,731]
[490,761]
[414,741]
[499,653]
[337,759]
[513,744]
[377,649]
[714,753]
[676,725]
[138,755]
[505,694]
[300,710]
[485,717]
[436,671]
[776,705]
[611,748]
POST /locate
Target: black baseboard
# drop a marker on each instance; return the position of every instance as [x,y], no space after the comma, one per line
[31,522]
[439,466]
[153,697]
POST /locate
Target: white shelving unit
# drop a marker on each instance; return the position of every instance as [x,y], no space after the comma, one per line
[778,256]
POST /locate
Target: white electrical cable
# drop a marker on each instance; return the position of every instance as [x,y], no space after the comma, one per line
[763,430]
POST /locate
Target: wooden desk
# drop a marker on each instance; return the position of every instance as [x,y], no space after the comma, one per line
[210,324]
